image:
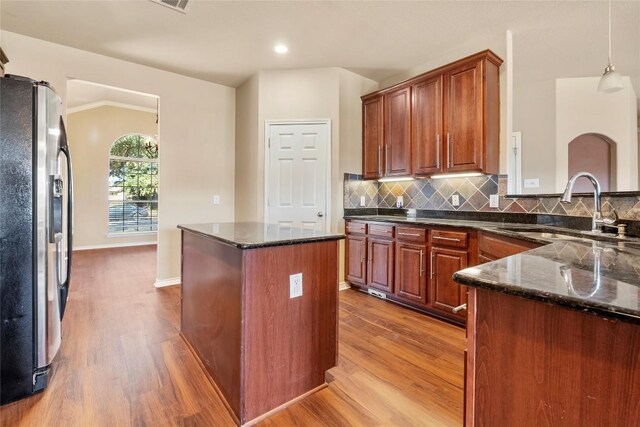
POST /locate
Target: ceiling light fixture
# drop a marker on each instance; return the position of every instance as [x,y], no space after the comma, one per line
[611,80]
[281,48]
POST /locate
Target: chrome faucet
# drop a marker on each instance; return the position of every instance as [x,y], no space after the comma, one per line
[598,219]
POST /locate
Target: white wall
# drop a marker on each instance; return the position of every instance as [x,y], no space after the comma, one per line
[326,93]
[91,134]
[321,93]
[197,131]
[246,173]
[581,109]
[299,94]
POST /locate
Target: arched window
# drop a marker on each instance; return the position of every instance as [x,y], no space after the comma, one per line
[133,184]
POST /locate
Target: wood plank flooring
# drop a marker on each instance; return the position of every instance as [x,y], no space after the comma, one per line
[123,363]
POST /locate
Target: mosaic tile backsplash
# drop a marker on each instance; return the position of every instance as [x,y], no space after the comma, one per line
[473,194]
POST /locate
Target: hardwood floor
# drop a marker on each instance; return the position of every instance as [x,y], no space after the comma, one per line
[123,363]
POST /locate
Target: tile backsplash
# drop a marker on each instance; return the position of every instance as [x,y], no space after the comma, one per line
[473,194]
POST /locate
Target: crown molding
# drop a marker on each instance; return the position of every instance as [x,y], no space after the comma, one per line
[99,104]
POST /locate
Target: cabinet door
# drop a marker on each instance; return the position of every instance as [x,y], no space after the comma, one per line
[464,118]
[380,266]
[372,137]
[356,250]
[411,272]
[426,125]
[445,293]
[397,130]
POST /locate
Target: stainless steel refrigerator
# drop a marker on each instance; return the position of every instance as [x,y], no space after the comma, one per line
[36,206]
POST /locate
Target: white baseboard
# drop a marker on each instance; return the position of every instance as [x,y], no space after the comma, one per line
[161,283]
[343,286]
[112,245]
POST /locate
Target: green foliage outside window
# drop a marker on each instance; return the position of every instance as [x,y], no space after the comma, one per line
[135,178]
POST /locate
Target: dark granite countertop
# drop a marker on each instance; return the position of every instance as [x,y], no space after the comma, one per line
[248,235]
[596,277]
[596,274]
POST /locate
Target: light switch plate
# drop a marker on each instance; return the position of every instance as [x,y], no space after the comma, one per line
[216,200]
[494,201]
[295,285]
[362,201]
[400,202]
[532,183]
[455,200]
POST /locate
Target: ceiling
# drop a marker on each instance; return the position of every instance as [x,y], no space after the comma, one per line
[228,41]
[84,94]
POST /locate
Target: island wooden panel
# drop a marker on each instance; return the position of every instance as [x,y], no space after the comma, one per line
[289,343]
[211,310]
[537,364]
[261,348]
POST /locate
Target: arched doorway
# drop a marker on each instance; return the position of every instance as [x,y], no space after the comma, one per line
[594,153]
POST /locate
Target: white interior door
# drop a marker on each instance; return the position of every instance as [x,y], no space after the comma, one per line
[297,175]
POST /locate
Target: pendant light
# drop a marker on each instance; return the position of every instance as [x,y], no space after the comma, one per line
[611,80]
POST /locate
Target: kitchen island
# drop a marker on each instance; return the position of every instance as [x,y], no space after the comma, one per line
[259,310]
[553,336]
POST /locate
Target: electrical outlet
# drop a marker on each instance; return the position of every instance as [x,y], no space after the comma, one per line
[295,285]
[532,183]
[494,201]
[362,201]
[400,202]
[216,200]
[455,200]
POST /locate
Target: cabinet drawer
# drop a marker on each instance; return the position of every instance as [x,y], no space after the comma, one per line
[496,247]
[356,227]
[411,234]
[454,239]
[381,230]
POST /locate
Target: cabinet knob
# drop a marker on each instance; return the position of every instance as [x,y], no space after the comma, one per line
[320,214]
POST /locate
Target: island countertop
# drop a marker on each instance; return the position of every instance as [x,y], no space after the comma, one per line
[591,276]
[248,235]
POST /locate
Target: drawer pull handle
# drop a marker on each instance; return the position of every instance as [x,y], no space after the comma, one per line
[459,308]
[438,142]
[449,239]
[409,234]
[432,256]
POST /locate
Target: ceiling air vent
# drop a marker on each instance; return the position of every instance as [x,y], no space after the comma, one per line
[179,5]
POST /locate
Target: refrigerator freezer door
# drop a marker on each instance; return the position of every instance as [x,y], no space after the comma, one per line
[47,171]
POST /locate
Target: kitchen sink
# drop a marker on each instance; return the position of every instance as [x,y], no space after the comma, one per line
[547,235]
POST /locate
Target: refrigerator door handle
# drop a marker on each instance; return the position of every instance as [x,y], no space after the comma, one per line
[64,286]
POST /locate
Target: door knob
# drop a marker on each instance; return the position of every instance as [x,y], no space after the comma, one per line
[320,214]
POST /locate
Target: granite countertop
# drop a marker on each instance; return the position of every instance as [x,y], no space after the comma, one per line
[596,274]
[596,277]
[248,235]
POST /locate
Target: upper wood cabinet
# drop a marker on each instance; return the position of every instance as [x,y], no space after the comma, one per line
[464,119]
[397,132]
[427,124]
[372,137]
[445,120]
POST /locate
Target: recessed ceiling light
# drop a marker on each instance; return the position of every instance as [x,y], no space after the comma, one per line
[281,48]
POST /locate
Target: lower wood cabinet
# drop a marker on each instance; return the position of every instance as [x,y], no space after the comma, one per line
[356,250]
[380,265]
[411,272]
[445,293]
